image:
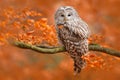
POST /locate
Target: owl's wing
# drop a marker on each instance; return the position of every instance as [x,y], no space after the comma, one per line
[82,30]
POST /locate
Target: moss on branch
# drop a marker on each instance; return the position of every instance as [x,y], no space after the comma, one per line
[53,50]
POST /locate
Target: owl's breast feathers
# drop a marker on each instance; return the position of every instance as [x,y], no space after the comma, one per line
[76,46]
[72,41]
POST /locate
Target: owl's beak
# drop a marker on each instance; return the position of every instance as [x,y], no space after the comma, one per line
[65,19]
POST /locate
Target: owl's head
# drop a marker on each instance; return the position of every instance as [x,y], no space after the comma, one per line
[65,14]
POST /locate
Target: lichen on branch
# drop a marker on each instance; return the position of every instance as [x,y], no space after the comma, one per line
[54,50]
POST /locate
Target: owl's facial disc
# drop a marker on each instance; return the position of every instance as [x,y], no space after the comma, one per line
[65,15]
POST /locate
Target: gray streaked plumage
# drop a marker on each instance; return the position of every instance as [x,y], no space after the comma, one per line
[73,35]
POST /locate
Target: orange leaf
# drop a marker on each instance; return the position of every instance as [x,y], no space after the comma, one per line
[30,32]
[60,27]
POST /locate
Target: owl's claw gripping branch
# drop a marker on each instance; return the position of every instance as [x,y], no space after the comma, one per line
[54,50]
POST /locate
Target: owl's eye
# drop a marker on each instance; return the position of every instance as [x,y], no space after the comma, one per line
[69,15]
[62,15]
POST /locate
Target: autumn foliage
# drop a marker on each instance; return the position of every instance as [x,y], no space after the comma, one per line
[31,21]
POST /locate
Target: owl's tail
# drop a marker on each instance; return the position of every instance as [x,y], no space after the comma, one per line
[79,63]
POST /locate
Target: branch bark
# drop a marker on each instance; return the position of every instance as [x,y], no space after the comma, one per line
[54,50]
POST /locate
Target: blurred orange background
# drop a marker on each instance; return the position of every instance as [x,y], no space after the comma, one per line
[32,21]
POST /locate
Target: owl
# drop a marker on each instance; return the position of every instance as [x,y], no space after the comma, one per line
[73,34]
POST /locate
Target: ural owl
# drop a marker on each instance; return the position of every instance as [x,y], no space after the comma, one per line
[73,34]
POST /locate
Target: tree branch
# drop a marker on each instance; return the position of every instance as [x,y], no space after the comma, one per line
[53,50]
